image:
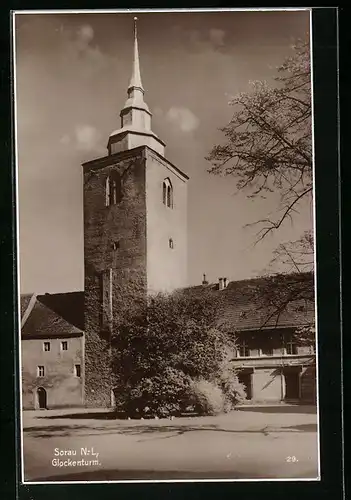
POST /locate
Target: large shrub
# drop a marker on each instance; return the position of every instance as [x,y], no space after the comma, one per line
[159,395]
[233,390]
[159,348]
[207,397]
[218,396]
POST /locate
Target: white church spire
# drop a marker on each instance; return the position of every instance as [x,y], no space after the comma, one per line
[135,115]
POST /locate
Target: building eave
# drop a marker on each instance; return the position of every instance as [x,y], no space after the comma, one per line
[288,326]
[105,161]
[121,133]
[48,335]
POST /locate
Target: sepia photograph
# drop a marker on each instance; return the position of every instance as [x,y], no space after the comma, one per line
[166,245]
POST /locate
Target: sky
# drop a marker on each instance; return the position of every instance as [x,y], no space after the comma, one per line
[72,73]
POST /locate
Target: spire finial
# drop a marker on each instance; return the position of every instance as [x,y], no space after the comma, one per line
[135,27]
[135,81]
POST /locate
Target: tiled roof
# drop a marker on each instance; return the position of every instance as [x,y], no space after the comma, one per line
[243,308]
[249,316]
[54,315]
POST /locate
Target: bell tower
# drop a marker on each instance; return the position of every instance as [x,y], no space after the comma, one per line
[135,230]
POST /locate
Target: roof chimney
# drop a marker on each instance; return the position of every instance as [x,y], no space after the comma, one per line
[204,280]
[222,283]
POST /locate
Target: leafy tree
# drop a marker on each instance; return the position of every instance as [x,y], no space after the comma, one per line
[161,347]
[267,148]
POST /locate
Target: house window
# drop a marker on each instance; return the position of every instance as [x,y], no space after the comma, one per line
[243,350]
[167,193]
[113,189]
[77,370]
[266,351]
[46,346]
[170,243]
[64,345]
[291,347]
[41,371]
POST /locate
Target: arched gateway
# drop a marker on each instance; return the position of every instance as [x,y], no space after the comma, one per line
[41,398]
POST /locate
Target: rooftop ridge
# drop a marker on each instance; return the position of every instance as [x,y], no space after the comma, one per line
[29,309]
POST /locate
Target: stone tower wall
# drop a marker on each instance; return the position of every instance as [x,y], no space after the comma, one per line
[114,238]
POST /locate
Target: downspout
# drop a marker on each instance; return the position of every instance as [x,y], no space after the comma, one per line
[282,370]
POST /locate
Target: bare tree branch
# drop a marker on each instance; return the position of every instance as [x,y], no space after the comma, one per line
[267,149]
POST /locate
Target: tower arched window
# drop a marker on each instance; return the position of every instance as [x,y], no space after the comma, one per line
[167,193]
[113,189]
[107,192]
[164,193]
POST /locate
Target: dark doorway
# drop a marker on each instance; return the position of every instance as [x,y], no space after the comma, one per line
[42,399]
[292,385]
[246,379]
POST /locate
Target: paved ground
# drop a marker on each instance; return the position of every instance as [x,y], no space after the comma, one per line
[249,443]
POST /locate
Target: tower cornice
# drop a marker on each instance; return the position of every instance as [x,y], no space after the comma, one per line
[126,110]
[139,151]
